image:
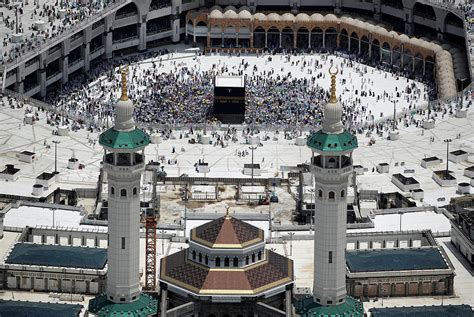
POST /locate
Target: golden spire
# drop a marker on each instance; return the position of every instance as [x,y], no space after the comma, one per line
[124,71]
[333,98]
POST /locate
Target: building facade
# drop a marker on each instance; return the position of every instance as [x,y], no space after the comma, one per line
[226,271]
[130,26]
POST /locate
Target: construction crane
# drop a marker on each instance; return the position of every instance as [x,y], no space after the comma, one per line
[151,219]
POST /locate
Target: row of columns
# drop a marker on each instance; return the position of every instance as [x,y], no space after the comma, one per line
[295,41]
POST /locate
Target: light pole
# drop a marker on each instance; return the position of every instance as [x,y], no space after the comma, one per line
[291,234]
[447,141]
[56,142]
[394,115]
[252,148]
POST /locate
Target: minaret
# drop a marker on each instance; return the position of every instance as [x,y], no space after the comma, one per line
[124,156]
[331,166]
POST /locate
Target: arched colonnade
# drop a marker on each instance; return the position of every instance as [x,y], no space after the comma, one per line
[231,28]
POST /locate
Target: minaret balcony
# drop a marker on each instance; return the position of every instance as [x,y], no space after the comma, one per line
[331,165]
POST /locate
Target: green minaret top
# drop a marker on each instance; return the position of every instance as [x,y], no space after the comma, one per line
[124,134]
[332,137]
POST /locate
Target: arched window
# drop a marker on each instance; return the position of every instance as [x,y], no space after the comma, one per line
[247,260]
[194,255]
[112,191]
[343,193]
[236,262]
[218,261]
[200,257]
[332,195]
[123,192]
[253,257]
[135,191]
[206,260]
[226,262]
[320,193]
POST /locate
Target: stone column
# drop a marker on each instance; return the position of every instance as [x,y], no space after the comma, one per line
[348,42]
[280,39]
[295,39]
[288,301]
[42,81]
[324,39]
[266,38]
[413,63]
[85,53]
[251,39]
[237,39]
[370,49]
[108,44]
[424,66]
[64,69]
[222,39]
[409,29]
[142,36]
[20,77]
[164,300]
[309,39]
[360,44]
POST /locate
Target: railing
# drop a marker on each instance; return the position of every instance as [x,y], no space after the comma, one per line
[135,37]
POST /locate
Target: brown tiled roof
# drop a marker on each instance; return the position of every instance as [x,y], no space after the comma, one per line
[227,232]
[274,271]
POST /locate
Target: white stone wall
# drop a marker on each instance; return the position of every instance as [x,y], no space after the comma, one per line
[123,222]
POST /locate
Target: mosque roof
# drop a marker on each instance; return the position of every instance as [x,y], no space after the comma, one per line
[124,139]
[227,233]
[57,255]
[276,270]
[332,142]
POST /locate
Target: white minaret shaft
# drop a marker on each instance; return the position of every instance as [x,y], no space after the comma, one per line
[331,167]
[123,162]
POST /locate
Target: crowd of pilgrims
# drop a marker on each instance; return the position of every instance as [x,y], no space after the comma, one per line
[184,95]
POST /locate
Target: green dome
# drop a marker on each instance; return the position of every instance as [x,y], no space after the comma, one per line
[124,139]
[350,308]
[340,142]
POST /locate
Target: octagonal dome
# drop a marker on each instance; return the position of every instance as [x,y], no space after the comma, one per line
[227,233]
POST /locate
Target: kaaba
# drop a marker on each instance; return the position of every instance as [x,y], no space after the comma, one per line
[229,99]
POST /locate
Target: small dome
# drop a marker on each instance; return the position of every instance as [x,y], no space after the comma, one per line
[330,17]
[288,17]
[393,33]
[243,8]
[260,17]
[302,17]
[317,17]
[230,8]
[216,14]
[274,17]
[216,8]
[229,14]
[245,15]
[404,38]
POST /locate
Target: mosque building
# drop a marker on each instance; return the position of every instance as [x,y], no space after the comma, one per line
[226,272]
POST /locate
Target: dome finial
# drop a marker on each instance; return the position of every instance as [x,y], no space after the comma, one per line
[227,216]
[333,98]
[124,72]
